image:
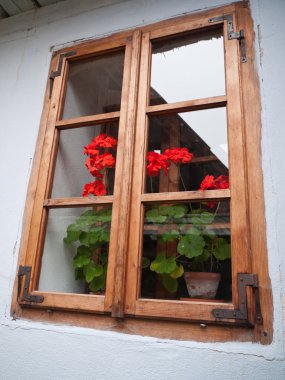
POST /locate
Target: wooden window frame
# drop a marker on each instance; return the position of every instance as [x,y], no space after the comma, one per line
[181,320]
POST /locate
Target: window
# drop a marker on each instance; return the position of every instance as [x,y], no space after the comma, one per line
[149,170]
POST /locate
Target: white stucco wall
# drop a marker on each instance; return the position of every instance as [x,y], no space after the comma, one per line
[31,350]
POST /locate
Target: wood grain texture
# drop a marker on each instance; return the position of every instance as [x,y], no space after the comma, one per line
[246,194]
[87,120]
[187,106]
[80,201]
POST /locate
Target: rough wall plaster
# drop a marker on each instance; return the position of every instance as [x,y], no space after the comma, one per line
[34,350]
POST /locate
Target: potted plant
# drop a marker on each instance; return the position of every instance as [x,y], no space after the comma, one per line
[197,246]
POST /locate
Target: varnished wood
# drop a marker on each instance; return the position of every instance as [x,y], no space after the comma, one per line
[80,201]
[187,106]
[141,326]
[87,120]
[183,196]
[256,212]
[247,204]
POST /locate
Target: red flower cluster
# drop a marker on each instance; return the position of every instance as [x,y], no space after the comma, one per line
[179,155]
[96,188]
[210,183]
[96,162]
[157,161]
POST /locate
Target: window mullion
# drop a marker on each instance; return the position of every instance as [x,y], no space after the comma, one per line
[115,288]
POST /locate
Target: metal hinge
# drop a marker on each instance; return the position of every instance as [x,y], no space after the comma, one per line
[26,296]
[231,34]
[244,280]
[57,73]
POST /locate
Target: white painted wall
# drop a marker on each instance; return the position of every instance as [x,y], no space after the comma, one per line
[39,351]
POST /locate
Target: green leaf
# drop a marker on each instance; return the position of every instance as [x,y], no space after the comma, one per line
[203,217]
[82,258]
[145,262]
[103,257]
[170,236]
[91,271]
[162,264]
[169,283]
[105,215]
[177,272]
[90,237]
[191,245]
[104,236]
[79,275]
[175,211]
[73,232]
[97,284]
[204,257]
[222,250]
[153,216]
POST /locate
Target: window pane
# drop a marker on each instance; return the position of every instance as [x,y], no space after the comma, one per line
[94,85]
[182,238]
[71,173]
[201,137]
[76,248]
[187,67]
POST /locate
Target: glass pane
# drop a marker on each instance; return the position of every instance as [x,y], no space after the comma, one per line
[187,67]
[78,168]
[186,251]
[94,85]
[185,148]
[76,248]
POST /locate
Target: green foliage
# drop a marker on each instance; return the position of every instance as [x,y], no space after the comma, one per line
[169,283]
[162,264]
[92,230]
[198,247]
[154,216]
[222,249]
[192,244]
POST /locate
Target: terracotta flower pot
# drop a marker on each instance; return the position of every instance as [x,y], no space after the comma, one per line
[202,284]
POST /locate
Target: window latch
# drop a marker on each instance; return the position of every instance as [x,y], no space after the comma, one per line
[241,313]
[25,271]
[57,73]
[232,34]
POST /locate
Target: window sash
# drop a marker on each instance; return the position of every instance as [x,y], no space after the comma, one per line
[125,299]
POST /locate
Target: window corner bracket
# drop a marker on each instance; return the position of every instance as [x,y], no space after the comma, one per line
[25,271]
[231,33]
[241,313]
[57,73]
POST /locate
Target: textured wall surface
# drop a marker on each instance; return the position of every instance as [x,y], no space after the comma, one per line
[30,350]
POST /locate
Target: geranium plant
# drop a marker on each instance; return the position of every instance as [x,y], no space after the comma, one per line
[195,243]
[91,231]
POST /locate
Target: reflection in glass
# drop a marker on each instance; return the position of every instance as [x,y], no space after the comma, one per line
[187,67]
[94,85]
[200,134]
[76,248]
[71,173]
[182,238]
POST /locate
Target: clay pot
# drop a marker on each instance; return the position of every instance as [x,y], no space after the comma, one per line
[202,284]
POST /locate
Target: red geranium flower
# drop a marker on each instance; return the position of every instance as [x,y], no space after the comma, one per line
[207,182]
[156,163]
[96,188]
[102,141]
[96,163]
[210,183]
[179,155]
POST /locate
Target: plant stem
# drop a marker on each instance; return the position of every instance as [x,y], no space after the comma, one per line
[151,185]
[183,184]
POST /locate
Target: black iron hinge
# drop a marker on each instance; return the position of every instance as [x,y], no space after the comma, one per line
[244,280]
[57,73]
[26,296]
[232,34]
